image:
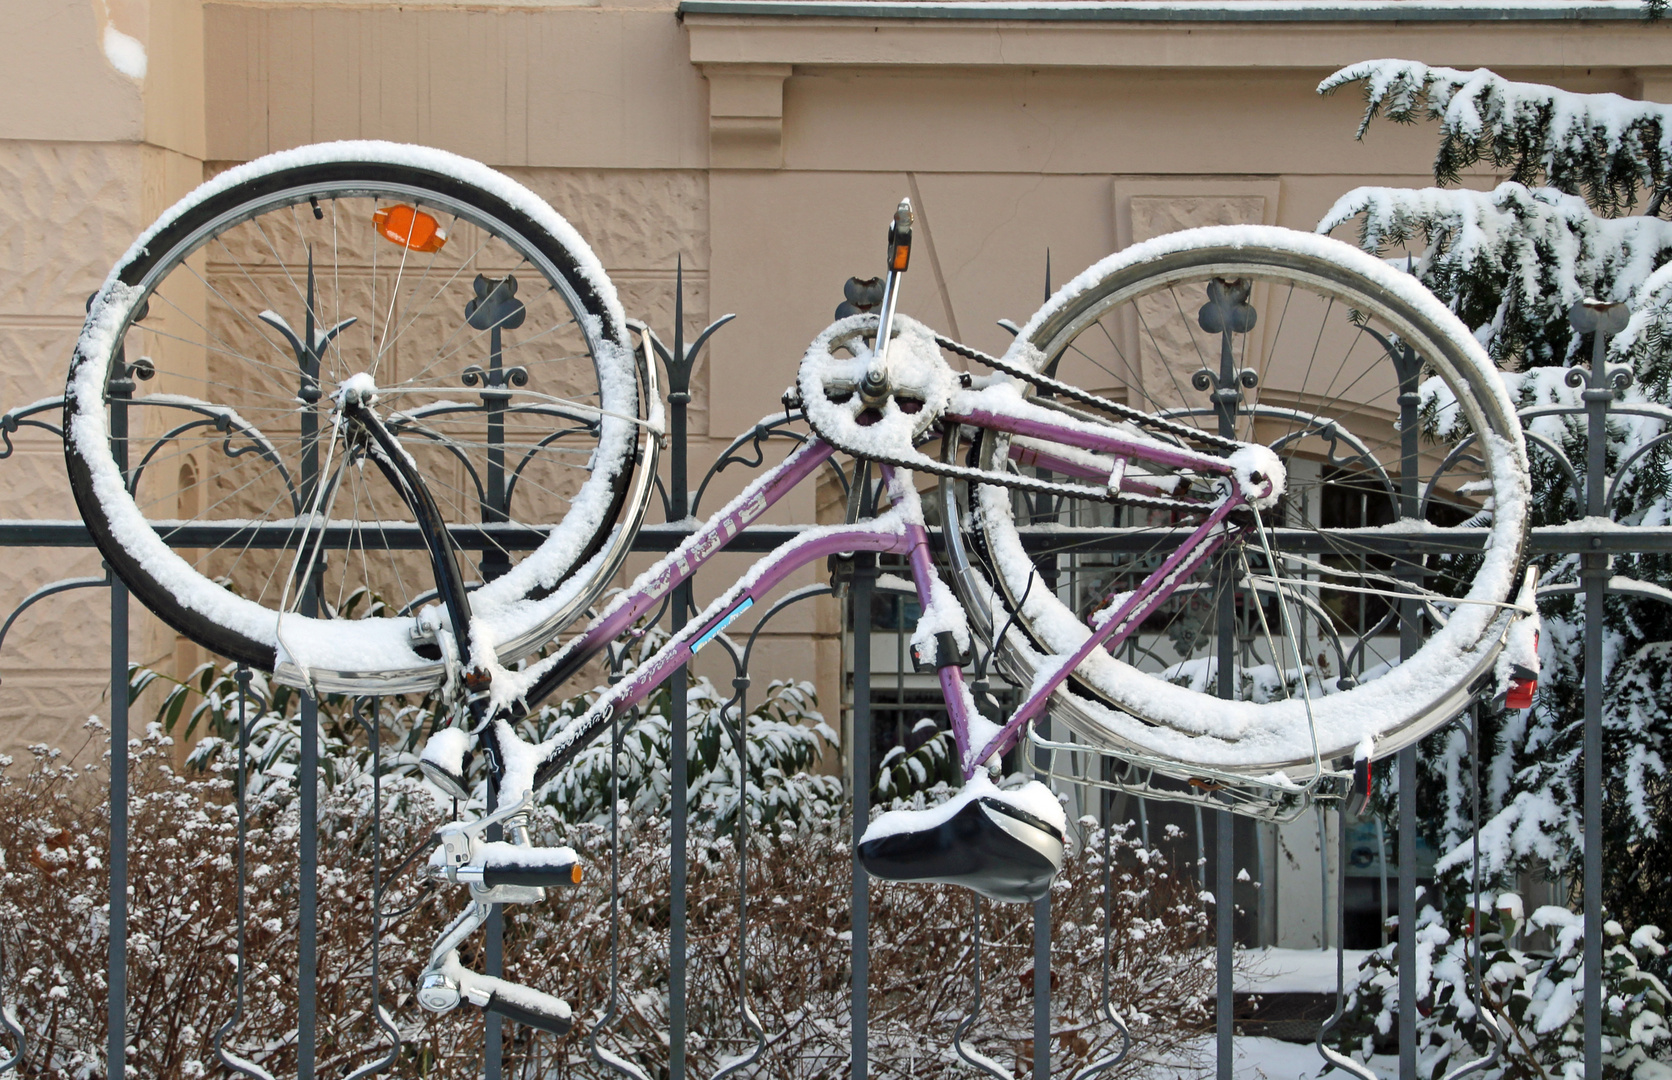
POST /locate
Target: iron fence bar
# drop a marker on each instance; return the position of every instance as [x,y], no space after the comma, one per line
[864,577]
[680,364]
[760,538]
[116,1004]
[1409,370]
[1042,949]
[1228,402]
[1597,393]
[1407,925]
[307,964]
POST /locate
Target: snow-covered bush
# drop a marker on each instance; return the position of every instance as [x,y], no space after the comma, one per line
[1579,218]
[1534,997]
[182,939]
[786,740]
[904,772]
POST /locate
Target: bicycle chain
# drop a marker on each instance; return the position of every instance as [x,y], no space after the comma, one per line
[1085,397]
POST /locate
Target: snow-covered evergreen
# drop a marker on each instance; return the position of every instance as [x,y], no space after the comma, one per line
[1577,217]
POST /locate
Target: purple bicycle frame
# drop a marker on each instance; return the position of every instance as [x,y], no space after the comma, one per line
[887,533]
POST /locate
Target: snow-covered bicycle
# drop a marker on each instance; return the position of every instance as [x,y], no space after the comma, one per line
[1240,506]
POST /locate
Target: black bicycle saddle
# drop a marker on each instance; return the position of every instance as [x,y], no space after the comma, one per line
[989,846]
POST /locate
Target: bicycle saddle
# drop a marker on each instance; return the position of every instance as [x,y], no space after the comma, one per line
[981,839]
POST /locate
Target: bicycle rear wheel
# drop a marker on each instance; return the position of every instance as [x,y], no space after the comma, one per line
[207,458]
[1370,604]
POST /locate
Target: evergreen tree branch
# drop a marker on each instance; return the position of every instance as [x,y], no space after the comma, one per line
[1610,150]
[1511,261]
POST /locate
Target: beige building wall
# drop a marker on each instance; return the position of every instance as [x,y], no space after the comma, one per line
[101,128]
[764,152]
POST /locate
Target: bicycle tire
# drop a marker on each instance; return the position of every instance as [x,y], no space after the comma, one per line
[1164,707]
[495,299]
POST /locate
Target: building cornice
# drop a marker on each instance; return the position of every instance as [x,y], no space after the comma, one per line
[1206,11]
[747,48]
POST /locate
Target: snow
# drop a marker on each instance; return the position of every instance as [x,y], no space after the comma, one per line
[479,988]
[126,54]
[1647,938]
[1548,245]
[1258,461]
[1294,971]
[502,855]
[1480,104]
[357,387]
[1253,1058]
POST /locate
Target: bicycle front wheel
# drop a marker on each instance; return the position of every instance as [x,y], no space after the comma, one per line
[209,463]
[1365,608]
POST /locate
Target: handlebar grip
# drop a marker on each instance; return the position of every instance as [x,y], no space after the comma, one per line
[540,876]
[555,1020]
[510,864]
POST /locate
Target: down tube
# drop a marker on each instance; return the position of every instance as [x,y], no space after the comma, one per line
[767,575]
[681,563]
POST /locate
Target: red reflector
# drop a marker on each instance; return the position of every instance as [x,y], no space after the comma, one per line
[409,227]
[1520,694]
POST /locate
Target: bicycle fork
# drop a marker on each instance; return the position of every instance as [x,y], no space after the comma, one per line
[509,871]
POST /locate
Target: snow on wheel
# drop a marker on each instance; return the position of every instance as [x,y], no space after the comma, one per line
[476,321]
[1391,425]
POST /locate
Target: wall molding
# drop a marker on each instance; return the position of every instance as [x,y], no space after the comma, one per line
[745,115]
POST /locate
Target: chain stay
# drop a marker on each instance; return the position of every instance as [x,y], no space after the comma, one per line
[918,462]
[923,463]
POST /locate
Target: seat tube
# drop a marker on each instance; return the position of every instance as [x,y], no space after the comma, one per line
[948,670]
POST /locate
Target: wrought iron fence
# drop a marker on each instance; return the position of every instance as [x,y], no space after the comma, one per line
[1593,537]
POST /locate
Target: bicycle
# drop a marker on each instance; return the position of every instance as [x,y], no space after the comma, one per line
[1326,595]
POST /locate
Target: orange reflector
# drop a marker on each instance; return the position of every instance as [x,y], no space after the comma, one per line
[902,255]
[1520,694]
[576,873]
[410,228]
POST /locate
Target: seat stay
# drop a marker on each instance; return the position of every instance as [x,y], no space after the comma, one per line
[1139,604]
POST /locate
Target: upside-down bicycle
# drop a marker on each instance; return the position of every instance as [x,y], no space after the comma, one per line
[1242,507]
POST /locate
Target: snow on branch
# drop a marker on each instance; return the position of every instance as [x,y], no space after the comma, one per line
[1513,259]
[1607,148]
